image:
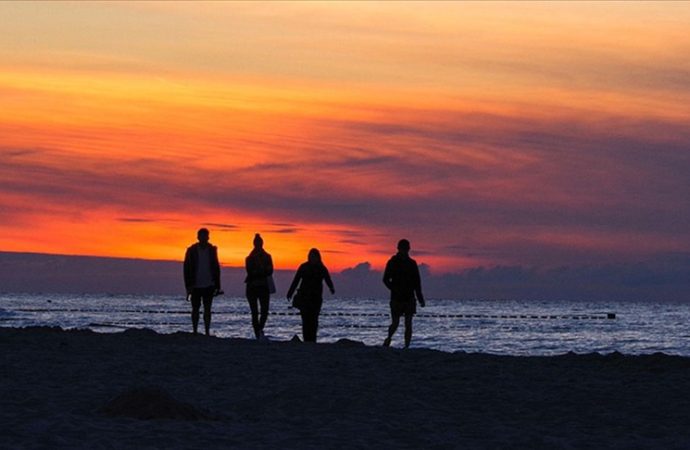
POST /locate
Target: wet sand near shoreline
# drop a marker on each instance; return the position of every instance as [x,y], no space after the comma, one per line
[139,389]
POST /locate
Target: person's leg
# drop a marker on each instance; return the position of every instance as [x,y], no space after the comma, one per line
[253,299]
[408,329]
[395,321]
[305,324]
[208,302]
[196,305]
[315,325]
[264,299]
[310,320]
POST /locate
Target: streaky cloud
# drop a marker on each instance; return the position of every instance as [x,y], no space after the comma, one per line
[134,220]
[223,226]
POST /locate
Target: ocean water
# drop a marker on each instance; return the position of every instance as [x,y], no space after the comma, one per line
[497,326]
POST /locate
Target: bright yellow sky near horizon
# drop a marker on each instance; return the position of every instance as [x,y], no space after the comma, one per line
[486,133]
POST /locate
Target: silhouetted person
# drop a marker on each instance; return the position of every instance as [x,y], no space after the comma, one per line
[202,277]
[259,267]
[402,278]
[312,274]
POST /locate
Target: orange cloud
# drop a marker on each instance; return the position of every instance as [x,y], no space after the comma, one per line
[459,126]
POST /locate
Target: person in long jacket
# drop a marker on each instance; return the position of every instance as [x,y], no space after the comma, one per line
[259,267]
[309,296]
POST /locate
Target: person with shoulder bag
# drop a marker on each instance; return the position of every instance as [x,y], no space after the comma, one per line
[260,285]
[306,292]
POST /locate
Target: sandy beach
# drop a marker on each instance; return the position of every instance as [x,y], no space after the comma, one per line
[139,389]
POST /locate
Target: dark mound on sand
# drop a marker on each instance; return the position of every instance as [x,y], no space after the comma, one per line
[149,403]
[349,343]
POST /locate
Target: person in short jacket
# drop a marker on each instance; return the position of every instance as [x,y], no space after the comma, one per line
[259,267]
[310,277]
[401,276]
[202,277]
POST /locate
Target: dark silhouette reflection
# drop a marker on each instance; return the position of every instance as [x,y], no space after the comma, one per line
[259,281]
[402,278]
[202,277]
[309,296]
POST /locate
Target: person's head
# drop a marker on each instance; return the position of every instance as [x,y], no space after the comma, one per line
[314,256]
[202,235]
[258,241]
[404,246]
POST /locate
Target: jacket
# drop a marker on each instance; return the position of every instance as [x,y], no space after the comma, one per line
[191,261]
[259,267]
[401,276]
[311,276]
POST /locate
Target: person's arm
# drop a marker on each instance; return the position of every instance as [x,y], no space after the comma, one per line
[248,265]
[187,271]
[216,269]
[387,276]
[295,282]
[418,287]
[327,279]
[269,269]
[248,268]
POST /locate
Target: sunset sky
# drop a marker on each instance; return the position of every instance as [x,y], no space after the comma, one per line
[535,134]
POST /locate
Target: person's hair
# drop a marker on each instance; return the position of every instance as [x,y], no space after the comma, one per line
[404,245]
[315,255]
[202,231]
[258,240]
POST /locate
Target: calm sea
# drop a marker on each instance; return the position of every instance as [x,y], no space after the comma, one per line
[498,327]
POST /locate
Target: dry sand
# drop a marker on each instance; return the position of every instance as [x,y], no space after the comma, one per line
[138,389]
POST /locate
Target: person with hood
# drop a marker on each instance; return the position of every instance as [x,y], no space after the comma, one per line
[307,288]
